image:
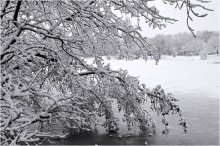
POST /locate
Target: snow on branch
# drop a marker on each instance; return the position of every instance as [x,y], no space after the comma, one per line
[45,79]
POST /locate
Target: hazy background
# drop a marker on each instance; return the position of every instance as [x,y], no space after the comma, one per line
[210,22]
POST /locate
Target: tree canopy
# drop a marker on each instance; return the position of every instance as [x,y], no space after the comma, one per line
[46,80]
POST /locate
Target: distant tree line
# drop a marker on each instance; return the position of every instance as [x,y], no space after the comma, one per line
[205,43]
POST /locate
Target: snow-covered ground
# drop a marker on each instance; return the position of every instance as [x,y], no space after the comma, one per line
[176,74]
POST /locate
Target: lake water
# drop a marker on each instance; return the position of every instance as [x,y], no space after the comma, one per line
[193,81]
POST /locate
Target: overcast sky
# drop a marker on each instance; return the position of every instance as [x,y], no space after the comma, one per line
[210,22]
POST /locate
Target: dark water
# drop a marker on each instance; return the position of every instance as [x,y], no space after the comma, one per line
[194,82]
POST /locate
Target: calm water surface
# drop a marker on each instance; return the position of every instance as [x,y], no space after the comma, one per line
[194,82]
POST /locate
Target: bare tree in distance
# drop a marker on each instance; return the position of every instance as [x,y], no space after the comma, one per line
[45,79]
[206,43]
